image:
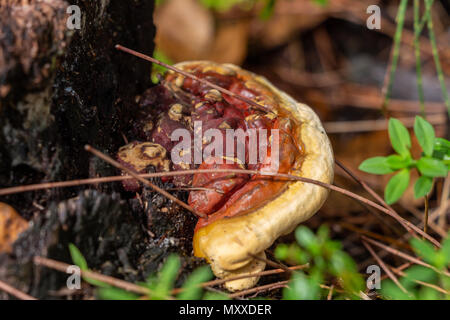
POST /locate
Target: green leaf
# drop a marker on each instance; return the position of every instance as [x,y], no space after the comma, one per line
[80,261]
[77,257]
[191,287]
[422,186]
[352,282]
[396,162]
[282,251]
[301,288]
[399,136]
[445,249]
[420,273]
[307,239]
[441,149]
[432,167]
[96,283]
[323,233]
[322,3]
[424,249]
[156,68]
[292,253]
[426,293]
[425,135]
[396,186]
[167,277]
[343,267]
[441,144]
[376,165]
[116,294]
[158,2]
[341,262]
[331,246]
[221,5]
[215,296]
[267,10]
[390,290]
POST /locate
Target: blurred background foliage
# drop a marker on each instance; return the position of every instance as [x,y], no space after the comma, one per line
[322,53]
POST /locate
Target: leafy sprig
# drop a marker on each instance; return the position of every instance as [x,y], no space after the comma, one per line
[434,161]
[420,282]
[327,262]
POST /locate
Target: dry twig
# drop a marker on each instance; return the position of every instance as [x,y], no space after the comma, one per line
[404,255]
[189,75]
[135,175]
[385,268]
[388,209]
[270,286]
[15,292]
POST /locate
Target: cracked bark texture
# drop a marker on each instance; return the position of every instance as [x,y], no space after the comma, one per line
[61,88]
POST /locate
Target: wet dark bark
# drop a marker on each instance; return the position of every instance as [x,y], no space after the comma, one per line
[61,89]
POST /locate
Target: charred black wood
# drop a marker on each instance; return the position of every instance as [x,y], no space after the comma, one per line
[62,88]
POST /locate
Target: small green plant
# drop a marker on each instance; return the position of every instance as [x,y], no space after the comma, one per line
[420,282]
[160,285]
[328,262]
[434,161]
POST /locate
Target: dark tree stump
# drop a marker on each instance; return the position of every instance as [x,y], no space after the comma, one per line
[61,89]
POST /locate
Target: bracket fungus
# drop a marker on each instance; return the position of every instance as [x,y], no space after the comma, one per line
[246,213]
[139,156]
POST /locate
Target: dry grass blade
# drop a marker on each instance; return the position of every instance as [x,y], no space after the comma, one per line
[364,296]
[135,175]
[15,292]
[384,266]
[400,268]
[330,292]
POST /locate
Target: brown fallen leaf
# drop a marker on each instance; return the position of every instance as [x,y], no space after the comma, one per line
[11,226]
